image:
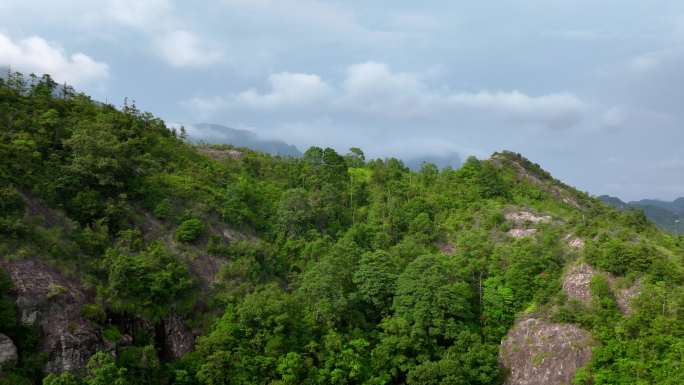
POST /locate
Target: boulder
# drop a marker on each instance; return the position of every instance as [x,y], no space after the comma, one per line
[8,351]
[577,283]
[537,352]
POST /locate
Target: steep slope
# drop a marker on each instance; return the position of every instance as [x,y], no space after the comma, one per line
[131,256]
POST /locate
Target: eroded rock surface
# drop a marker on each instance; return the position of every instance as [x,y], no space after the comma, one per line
[577,283]
[521,233]
[624,296]
[47,299]
[521,217]
[521,220]
[537,352]
[220,154]
[573,242]
[8,351]
[179,338]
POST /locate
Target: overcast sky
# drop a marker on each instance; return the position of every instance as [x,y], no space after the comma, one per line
[591,90]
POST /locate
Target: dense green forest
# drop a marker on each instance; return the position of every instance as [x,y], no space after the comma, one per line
[329,268]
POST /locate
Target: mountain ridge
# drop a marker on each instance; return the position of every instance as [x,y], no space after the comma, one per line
[130,255]
[667,215]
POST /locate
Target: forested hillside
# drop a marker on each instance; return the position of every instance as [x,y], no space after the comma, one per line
[130,256]
[666,215]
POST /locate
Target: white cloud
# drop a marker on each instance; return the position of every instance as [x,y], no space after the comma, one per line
[373,90]
[373,87]
[35,54]
[183,48]
[558,110]
[287,89]
[158,23]
[138,13]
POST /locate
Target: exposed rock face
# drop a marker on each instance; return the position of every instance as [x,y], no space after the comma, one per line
[521,233]
[522,217]
[8,351]
[574,242]
[220,154]
[47,299]
[537,352]
[179,338]
[577,283]
[624,296]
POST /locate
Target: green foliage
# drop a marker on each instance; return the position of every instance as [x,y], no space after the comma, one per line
[11,210]
[103,370]
[620,256]
[65,378]
[325,269]
[190,230]
[375,279]
[111,334]
[148,283]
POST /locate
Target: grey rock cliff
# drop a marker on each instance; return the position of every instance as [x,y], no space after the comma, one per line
[49,300]
[8,351]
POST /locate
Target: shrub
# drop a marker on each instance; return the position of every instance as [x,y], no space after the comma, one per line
[94,312]
[163,209]
[112,334]
[190,230]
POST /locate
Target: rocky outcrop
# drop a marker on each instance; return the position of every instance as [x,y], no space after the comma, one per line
[521,233]
[577,283]
[537,352]
[179,339]
[522,217]
[52,302]
[577,286]
[8,351]
[521,221]
[573,242]
[624,297]
[220,154]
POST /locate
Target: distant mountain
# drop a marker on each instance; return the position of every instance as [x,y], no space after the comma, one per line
[451,159]
[219,134]
[676,206]
[614,201]
[667,215]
